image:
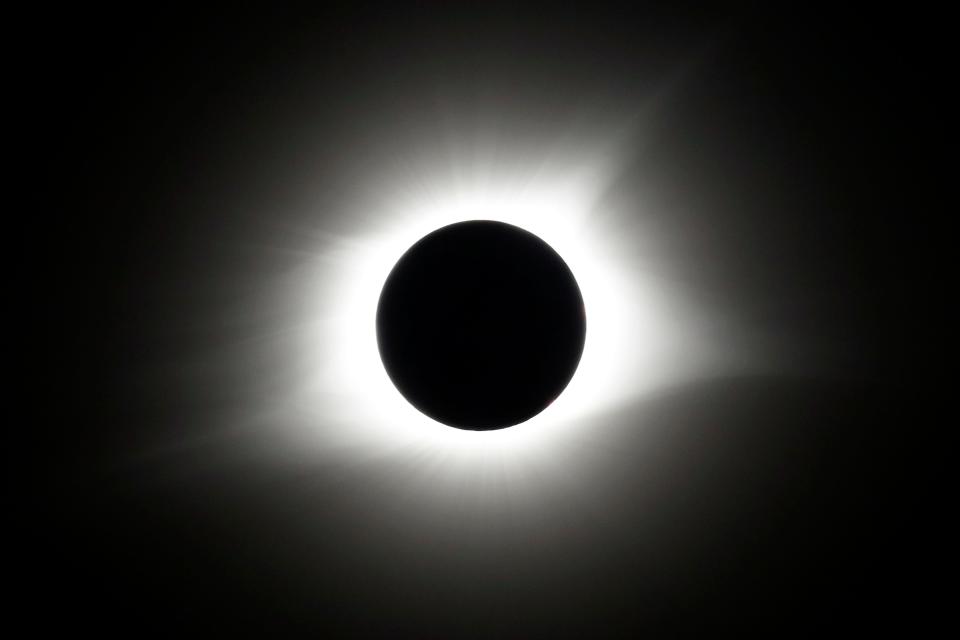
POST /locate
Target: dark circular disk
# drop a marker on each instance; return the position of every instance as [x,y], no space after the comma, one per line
[480,325]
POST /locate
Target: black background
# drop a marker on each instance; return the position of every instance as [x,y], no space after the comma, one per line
[156,143]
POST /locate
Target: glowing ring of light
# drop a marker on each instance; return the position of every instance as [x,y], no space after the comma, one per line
[623,338]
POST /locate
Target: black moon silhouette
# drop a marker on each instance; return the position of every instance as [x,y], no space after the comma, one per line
[481,325]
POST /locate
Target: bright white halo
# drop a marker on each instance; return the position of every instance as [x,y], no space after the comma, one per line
[636,337]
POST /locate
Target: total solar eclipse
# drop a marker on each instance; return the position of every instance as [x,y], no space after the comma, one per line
[480,325]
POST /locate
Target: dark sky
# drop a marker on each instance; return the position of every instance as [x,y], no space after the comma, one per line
[781,164]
